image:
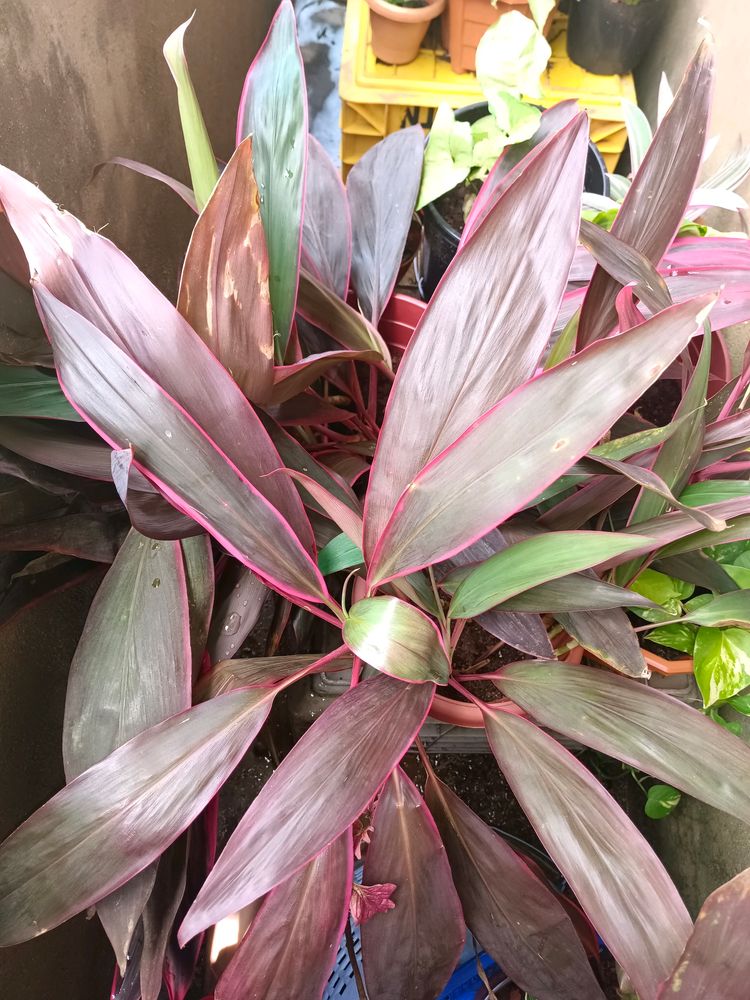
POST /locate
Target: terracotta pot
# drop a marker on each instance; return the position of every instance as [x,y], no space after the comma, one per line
[399,319]
[397,32]
[464,23]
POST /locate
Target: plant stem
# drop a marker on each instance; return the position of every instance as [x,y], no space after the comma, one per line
[362,993]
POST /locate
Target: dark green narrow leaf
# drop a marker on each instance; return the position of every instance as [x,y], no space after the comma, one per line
[28,392]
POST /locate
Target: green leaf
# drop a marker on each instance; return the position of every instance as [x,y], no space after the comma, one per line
[531,562]
[734,727]
[511,57]
[675,636]
[631,444]
[448,156]
[203,170]
[661,588]
[741,703]
[739,574]
[340,553]
[540,11]
[714,491]
[722,663]
[563,346]
[396,638]
[726,609]
[730,553]
[29,392]
[639,133]
[661,800]
[516,120]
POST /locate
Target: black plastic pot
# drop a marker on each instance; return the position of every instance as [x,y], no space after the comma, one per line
[440,241]
[611,36]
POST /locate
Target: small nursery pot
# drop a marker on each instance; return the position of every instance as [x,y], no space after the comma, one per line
[465,21]
[441,239]
[611,36]
[399,319]
[397,32]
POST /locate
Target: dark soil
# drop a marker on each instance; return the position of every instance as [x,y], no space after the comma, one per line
[476,654]
[659,402]
[451,205]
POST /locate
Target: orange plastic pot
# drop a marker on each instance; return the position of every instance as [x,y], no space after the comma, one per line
[397,32]
[399,319]
[465,21]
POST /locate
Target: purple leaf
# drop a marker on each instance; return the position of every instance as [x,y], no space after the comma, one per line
[609,636]
[368,900]
[646,728]
[125,405]
[60,861]
[381,213]
[339,511]
[715,961]
[273,109]
[489,472]
[510,911]
[90,275]
[240,596]
[263,671]
[290,947]
[409,951]
[69,449]
[289,380]
[198,562]
[577,592]
[657,199]
[159,914]
[85,536]
[324,309]
[224,292]
[326,225]
[180,189]
[355,744]
[530,232]
[615,875]
[150,512]
[626,265]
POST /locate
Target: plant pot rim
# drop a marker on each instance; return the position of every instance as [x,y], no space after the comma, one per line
[407,15]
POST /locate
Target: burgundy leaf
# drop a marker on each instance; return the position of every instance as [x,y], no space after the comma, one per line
[91,276]
[657,199]
[86,536]
[224,286]
[326,226]
[616,877]
[291,945]
[339,511]
[381,213]
[159,914]
[325,310]
[289,380]
[198,561]
[126,406]
[240,596]
[180,189]
[264,671]
[150,512]
[510,911]
[355,744]
[530,232]
[626,265]
[60,861]
[69,449]
[410,952]
[367,900]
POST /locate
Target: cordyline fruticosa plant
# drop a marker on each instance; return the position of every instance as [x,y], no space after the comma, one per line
[243,433]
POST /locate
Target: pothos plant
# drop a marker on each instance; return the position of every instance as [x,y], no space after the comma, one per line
[244,435]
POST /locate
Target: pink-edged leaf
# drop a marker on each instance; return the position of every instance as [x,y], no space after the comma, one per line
[514,159]
[224,286]
[200,578]
[510,911]
[85,536]
[368,900]
[263,671]
[490,471]
[626,265]
[289,380]
[273,109]
[131,671]
[149,512]
[326,225]
[657,199]
[609,636]
[381,214]
[397,638]
[159,915]
[240,596]
[355,744]
[324,309]
[69,449]
[61,861]
[309,409]
[716,962]
[125,406]
[646,728]
[409,950]
[577,592]
[90,275]
[350,521]
[178,187]
[530,232]
[615,875]
[291,945]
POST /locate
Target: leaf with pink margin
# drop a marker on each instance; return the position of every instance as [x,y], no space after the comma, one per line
[60,861]
[290,947]
[224,292]
[381,213]
[324,309]
[263,671]
[67,449]
[716,961]
[493,469]
[368,900]
[510,911]
[326,224]
[289,380]
[200,579]
[615,875]
[238,603]
[609,636]
[656,201]
[350,521]
[355,743]
[411,950]
[90,275]
[149,512]
[644,727]
[125,406]
[273,108]
[448,378]
[178,187]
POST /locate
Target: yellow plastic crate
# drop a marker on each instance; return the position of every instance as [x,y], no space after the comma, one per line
[377,99]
